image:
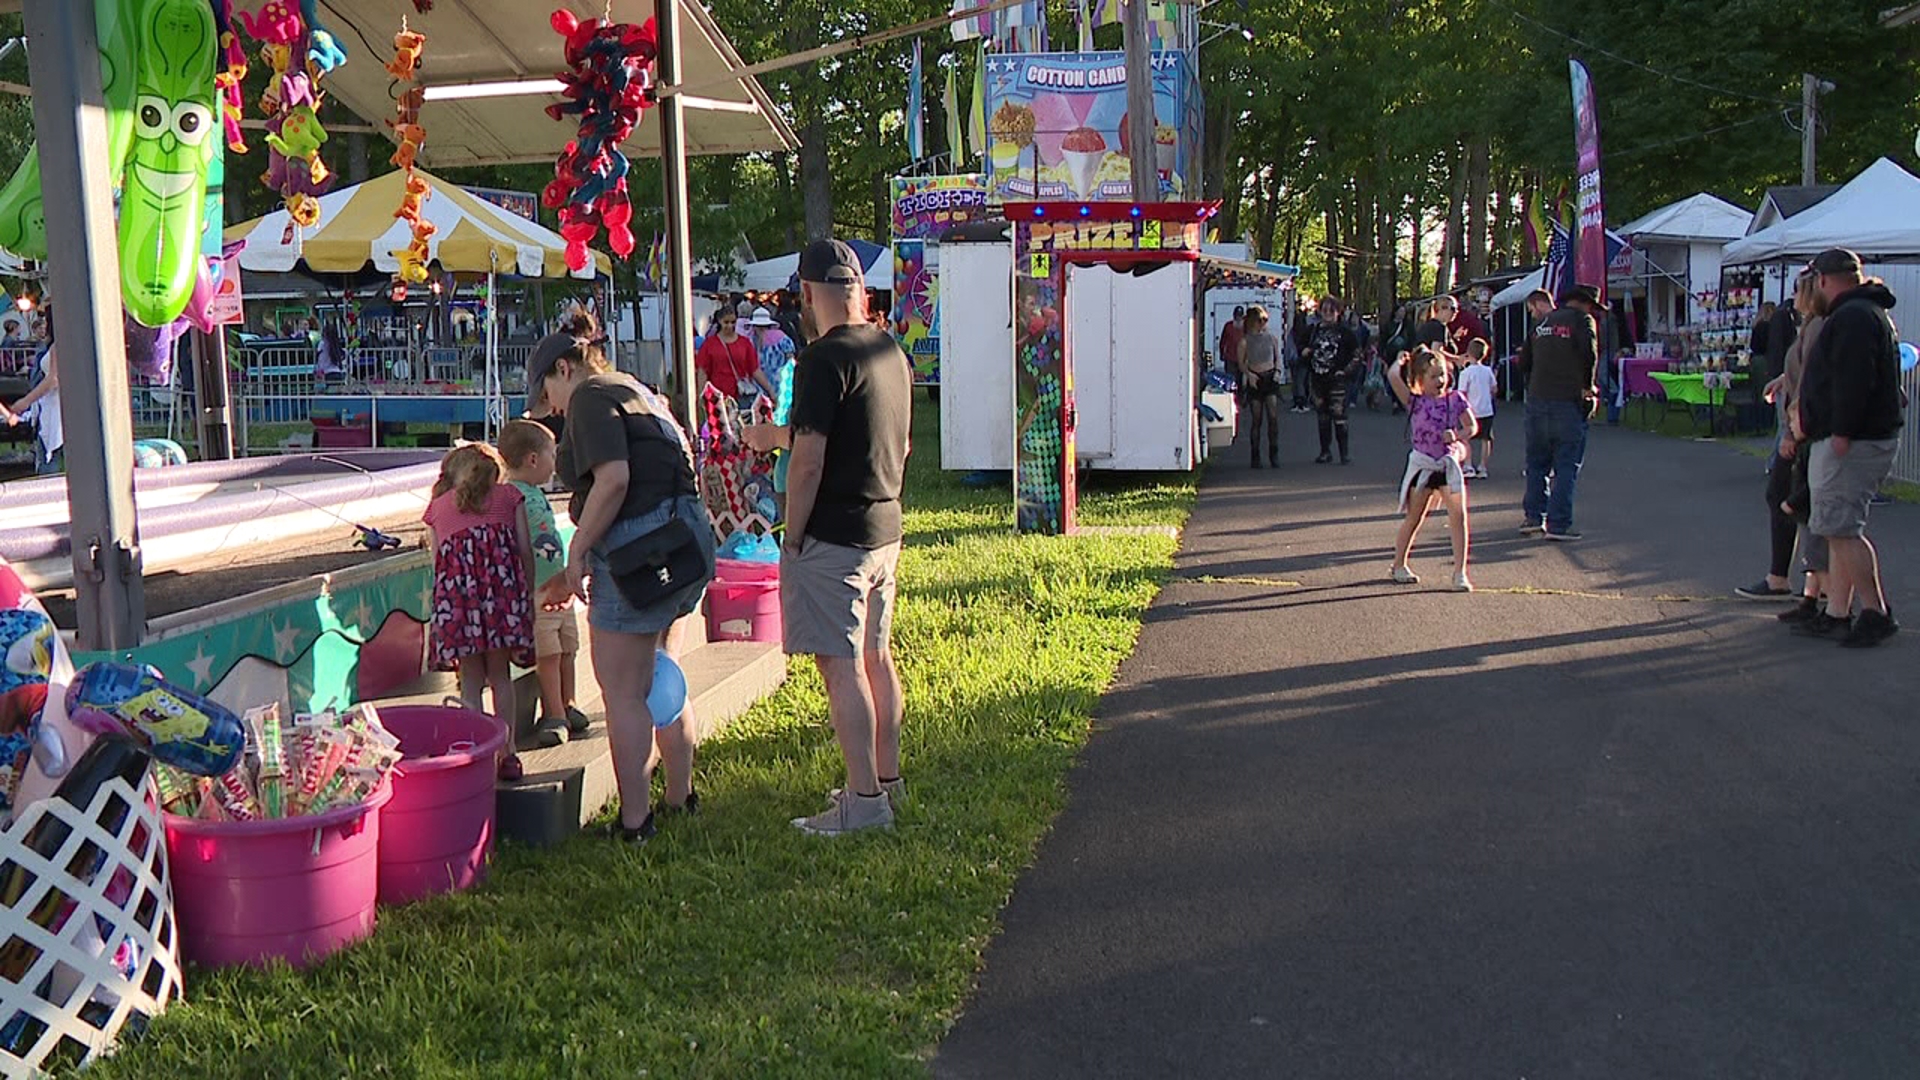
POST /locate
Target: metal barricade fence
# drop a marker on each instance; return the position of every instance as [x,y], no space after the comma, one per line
[16,361]
[1906,458]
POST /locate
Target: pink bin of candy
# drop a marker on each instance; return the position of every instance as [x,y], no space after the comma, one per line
[743,603]
[437,834]
[297,889]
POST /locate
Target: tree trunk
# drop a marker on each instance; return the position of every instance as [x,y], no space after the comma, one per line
[1414,286]
[1331,218]
[1451,247]
[783,175]
[1387,258]
[1479,168]
[1500,224]
[1269,207]
[1230,198]
[816,178]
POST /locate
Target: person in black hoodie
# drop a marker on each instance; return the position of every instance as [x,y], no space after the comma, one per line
[1850,404]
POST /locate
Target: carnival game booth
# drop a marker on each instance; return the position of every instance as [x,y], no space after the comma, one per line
[924,209]
[1071,340]
[387,388]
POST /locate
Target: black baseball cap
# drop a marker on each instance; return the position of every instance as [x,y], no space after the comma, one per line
[1590,294]
[1835,261]
[540,363]
[830,262]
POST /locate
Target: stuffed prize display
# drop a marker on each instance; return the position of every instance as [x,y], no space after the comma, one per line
[157,73]
[607,87]
[34,673]
[177,727]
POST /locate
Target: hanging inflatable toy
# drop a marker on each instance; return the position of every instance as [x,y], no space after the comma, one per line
[176,726]
[157,81]
[607,86]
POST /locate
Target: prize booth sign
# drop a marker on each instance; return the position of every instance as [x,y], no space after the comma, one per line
[1047,238]
[1057,126]
[924,208]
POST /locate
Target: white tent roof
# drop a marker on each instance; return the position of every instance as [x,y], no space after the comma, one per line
[767,275]
[1518,291]
[1702,217]
[1876,214]
[358,226]
[493,41]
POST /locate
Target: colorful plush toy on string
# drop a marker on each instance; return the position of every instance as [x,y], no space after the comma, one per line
[607,86]
[228,78]
[411,261]
[300,53]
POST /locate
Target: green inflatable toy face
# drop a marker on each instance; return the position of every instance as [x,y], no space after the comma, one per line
[166,178]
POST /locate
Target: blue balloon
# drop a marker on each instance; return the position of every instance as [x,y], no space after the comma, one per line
[1909,356]
[668,698]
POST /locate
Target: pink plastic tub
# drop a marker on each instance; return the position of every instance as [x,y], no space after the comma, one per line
[437,834]
[743,611]
[744,572]
[299,889]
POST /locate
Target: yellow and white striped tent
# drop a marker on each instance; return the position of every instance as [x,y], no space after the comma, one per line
[357,227]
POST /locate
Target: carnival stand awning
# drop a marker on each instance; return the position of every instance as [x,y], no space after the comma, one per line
[489,68]
[1877,214]
[358,227]
[1701,217]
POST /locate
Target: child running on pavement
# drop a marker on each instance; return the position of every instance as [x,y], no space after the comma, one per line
[1477,383]
[530,451]
[1441,423]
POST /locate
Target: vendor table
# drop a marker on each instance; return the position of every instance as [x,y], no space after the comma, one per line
[1636,374]
[1705,389]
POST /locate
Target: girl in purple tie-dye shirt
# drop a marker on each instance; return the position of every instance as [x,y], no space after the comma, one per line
[1442,422]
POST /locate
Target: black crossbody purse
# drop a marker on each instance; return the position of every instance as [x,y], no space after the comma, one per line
[658,564]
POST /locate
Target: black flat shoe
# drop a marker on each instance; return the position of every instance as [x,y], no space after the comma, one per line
[690,808]
[1323,459]
[639,835]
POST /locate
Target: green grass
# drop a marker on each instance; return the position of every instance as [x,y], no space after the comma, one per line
[732,946]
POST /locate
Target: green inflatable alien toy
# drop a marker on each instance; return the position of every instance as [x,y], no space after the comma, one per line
[156,70]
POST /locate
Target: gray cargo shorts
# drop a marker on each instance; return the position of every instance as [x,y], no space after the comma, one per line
[1843,487]
[837,600]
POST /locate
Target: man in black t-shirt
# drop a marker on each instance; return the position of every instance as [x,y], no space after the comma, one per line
[848,432]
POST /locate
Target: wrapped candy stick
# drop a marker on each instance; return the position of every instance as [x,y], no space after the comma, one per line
[235,799]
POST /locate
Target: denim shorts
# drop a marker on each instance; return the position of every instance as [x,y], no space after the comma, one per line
[608,608]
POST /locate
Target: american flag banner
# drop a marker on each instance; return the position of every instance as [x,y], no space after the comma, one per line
[1559,262]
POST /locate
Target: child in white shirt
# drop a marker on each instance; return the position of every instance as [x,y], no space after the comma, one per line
[1476,382]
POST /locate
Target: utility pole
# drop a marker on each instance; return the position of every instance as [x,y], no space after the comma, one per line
[1811,87]
[1140,117]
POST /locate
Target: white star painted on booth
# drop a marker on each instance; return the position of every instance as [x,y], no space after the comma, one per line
[363,617]
[202,667]
[285,641]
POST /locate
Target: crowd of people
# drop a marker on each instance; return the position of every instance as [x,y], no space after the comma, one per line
[642,554]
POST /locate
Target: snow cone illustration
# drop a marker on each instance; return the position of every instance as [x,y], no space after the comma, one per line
[1166,144]
[1084,151]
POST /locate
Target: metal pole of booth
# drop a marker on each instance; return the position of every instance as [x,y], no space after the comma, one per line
[496,407]
[215,393]
[70,126]
[673,173]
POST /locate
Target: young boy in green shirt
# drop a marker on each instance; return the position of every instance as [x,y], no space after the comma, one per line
[529,450]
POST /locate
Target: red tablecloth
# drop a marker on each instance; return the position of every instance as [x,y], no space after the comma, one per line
[1637,377]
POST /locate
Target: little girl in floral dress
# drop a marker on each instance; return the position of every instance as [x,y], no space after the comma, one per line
[482,574]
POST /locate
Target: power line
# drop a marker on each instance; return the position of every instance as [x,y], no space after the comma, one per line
[1613,155]
[1650,69]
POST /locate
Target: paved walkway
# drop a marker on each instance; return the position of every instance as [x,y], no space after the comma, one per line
[1597,820]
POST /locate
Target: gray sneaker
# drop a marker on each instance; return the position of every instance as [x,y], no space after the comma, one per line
[848,813]
[895,790]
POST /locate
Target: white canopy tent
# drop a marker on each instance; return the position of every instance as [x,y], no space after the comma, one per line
[1676,253]
[768,275]
[1876,214]
[1518,291]
[1700,217]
